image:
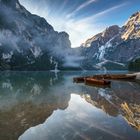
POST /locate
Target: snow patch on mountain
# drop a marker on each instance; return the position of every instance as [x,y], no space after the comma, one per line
[51,59]
[102,49]
[17,5]
[36,51]
[103,93]
[137,25]
[7,56]
[104,62]
[101,64]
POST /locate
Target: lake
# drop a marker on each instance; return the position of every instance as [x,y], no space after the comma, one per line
[49,106]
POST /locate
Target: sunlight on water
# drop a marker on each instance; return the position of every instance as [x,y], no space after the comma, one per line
[76,119]
[43,106]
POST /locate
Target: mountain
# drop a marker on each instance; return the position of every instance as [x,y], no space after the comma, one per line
[115,47]
[28,42]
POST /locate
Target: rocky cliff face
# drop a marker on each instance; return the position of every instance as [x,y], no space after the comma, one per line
[28,42]
[131,29]
[114,47]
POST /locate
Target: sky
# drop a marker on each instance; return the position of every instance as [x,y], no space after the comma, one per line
[82,19]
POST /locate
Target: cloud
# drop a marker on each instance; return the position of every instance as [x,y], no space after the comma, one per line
[84,5]
[85,28]
[79,30]
[102,13]
[9,39]
[80,7]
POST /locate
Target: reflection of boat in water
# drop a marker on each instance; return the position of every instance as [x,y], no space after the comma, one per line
[91,80]
[96,81]
[116,77]
[98,86]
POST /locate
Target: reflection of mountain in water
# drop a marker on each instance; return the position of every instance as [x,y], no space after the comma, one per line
[29,98]
[26,100]
[123,98]
[23,116]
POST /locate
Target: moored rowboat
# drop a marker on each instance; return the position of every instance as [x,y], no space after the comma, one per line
[107,76]
[103,79]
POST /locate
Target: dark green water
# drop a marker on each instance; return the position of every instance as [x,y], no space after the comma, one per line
[49,106]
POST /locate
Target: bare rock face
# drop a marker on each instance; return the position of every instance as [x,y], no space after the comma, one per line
[103,37]
[132,27]
[115,47]
[27,41]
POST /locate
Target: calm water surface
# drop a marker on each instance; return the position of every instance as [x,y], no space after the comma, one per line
[49,106]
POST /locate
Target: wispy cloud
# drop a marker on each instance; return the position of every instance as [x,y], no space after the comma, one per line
[85,28]
[80,7]
[85,4]
[82,29]
[104,12]
[78,29]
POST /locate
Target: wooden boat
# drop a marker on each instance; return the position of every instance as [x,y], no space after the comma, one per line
[97,81]
[125,77]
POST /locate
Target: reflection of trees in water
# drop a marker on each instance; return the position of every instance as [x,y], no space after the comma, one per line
[22,116]
[28,99]
[122,98]
[34,86]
